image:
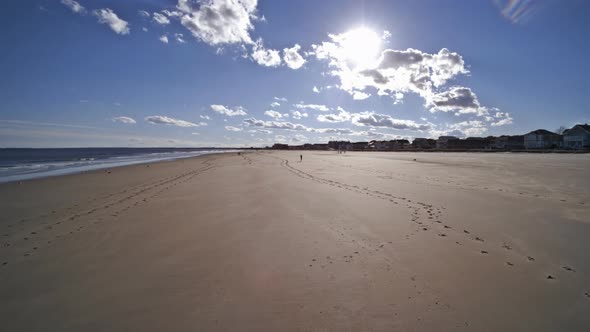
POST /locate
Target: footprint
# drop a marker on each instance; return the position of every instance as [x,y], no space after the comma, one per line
[507,247]
[477,238]
[442,234]
[550,277]
[532,259]
[509,264]
[484,252]
[465,231]
[567,268]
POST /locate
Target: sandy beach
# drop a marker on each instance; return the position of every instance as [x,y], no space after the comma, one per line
[337,242]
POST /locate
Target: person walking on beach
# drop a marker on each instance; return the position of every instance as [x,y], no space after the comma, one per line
[300,158]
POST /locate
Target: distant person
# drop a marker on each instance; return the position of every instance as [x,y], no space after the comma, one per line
[300,158]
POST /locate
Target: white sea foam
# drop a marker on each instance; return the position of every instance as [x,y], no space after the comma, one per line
[21,172]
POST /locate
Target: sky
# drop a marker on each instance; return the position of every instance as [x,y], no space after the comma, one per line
[189,73]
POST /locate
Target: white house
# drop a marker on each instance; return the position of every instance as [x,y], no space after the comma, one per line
[542,139]
[578,137]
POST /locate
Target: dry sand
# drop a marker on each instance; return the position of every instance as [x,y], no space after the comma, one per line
[262,242]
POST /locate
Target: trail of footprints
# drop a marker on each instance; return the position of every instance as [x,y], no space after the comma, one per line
[365,248]
[246,158]
[117,203]
[449,181]
[426,216]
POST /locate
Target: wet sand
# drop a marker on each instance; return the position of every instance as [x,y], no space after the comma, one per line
[353,242]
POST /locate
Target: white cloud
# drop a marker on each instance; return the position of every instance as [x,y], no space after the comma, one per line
[359,95]
[219,21]
[107,16]
[179,38]
[397,72]
[238,110]
[316,107]
[160,119]
[74,6]
[124,119]
[315,89]
[342,116]
[299,138]
[205,117]
[172,13]
[503,118]
[275,104]
[161,19]
[468,128]
[252,122]
[144,29]
[143,13]
[292,58]
[163,39]
[393,71]
[298,115]
[399,98]
[273,114]
[232,128]
[274,124]
[457,100]
[265,57]
[372,119]
[369,135]
[283,99]
[338,131]
[261,131]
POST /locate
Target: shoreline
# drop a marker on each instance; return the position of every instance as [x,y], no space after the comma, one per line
[95,168]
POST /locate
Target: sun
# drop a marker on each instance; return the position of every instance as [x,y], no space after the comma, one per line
[361,46]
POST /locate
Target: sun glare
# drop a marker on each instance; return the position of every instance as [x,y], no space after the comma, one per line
[361,46]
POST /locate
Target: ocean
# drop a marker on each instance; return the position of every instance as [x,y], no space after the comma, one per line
[25,164]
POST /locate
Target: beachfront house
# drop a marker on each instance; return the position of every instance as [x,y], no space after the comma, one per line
[359,145]
[424,143]
[378,145]
[394,144]
[578,137]
[279,146]
[399,144]
[542,139]
[339,145]
[506,142]
[470,143]
[443,141]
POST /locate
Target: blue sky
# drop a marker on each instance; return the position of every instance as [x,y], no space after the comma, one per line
[247,73]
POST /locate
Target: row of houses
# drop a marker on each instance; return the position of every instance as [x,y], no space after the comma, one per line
[575,138]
